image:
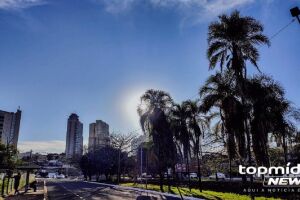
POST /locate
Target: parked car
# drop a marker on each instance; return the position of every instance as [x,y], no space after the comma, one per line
[38,176]
[220,176]
[193,175]
[60,176]
[51,175]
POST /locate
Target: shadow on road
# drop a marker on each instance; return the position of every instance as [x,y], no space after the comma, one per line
[144,197]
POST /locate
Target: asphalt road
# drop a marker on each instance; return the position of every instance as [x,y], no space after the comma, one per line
[80,190]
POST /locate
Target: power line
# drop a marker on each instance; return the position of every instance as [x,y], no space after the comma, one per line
[280,30]
[273,36]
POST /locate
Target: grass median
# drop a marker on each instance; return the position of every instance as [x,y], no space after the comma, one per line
[205,194]
[11,184]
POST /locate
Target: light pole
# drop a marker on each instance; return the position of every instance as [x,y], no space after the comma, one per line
[295,12]
[141,163]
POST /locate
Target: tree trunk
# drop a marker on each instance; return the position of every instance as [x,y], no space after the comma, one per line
[119,157]
[284,149]
[188,171]
[199,173]
[168,180]
[161,179]
[7,185]
[2,189]
[230,169]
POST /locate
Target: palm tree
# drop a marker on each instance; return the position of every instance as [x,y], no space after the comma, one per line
[271,113]
[232,42]
[284,123]
[197,125]
[179,127]
[219,92]
[154,110]
[264,97]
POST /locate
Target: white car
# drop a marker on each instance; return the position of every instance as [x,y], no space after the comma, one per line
[221,176]
[60,176]
[193,175]
[51,175]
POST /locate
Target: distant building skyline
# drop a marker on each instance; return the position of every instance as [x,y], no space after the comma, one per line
[74,137]
[9,127]
[98,135]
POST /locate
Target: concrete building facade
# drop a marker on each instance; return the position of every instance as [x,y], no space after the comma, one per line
[74,138]
[10,127]
[98,135]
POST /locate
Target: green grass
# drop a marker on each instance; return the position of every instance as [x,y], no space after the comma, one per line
[5,186]
[11,189]
[205,194]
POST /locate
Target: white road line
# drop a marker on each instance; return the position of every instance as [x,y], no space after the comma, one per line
[69,190]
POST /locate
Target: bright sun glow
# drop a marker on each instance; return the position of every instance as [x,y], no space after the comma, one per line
[131,100]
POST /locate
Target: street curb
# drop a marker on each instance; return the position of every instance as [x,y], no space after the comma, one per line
[143,190]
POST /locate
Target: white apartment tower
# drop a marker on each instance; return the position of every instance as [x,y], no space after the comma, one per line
[9,127]
[98,135]
[74,139]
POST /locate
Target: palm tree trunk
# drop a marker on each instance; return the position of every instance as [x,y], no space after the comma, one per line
[119,158]
[242,81]
[161,171]
[168,180]
[199,173]
[230,169]
[181,163]
[284,149]
[2,187]
[188,171]
[161,178]
[247,130]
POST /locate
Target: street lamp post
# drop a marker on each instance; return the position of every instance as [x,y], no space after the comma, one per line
[295,12]
[141,163]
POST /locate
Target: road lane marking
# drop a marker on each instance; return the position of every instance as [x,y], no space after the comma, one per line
[68,190]
[45,191]
[71,191]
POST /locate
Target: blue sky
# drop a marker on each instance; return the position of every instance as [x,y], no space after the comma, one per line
[96,57]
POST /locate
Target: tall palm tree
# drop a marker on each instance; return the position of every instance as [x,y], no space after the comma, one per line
[197,125]
[179,127]
[270,113]
[154,110]
[285,118]
[219,92]
[232,42]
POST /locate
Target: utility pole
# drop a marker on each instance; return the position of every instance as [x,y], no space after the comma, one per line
[295,12]
[141,163]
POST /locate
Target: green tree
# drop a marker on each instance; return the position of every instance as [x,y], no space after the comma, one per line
[219,92]
[179,117]
[121,142]
[197,126]
[232,42]
[154,110]
[270,113]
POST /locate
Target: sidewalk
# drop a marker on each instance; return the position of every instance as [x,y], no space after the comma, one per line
[30,195]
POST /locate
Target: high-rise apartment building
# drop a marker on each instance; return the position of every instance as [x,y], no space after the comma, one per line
[98,135]
[74,139]
[9,127]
